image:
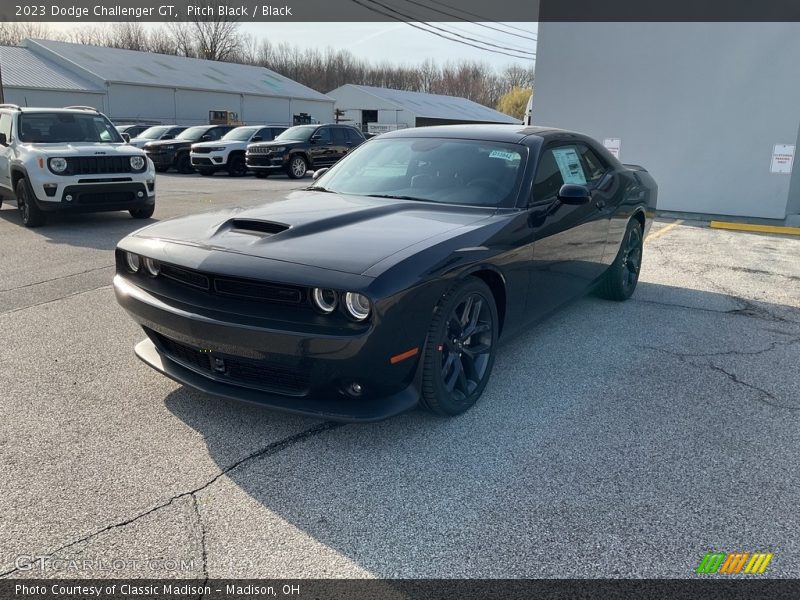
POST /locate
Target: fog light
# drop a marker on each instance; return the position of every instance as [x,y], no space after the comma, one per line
[355,389]
[68,197]
[140,194]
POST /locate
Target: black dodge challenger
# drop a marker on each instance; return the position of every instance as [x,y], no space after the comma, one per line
[389,281]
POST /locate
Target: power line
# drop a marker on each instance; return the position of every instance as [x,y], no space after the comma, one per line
[408,20]
[476,16]
[480,24]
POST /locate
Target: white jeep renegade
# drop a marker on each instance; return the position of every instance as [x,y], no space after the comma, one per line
[70,159]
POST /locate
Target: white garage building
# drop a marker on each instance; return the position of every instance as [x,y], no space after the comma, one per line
[377,109]
[131,86]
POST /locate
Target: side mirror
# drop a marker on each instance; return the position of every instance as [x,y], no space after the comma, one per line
[126,137]
[319,173]
[168,136]
[256,138]
[315,138]
[205,138]
[574,194]
[3,140]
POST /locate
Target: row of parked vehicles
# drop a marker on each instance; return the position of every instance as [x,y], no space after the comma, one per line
[237,150]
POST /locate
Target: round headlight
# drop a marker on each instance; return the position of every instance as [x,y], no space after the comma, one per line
[151,267]
[325,300]
[137,163]
[132,262]
[58,165]
[357,305]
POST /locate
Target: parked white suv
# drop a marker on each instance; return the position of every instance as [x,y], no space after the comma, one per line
[70,159]
[228,152]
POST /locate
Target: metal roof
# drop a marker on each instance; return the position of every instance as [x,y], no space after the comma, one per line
[435,106]
[147,68]
[23,68]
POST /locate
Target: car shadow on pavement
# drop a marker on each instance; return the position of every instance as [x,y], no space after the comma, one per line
[100,231]
[614,439]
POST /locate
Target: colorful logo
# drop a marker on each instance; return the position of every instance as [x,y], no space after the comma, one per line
[734,563]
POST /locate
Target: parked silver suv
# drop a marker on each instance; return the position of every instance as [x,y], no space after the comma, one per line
[70,159]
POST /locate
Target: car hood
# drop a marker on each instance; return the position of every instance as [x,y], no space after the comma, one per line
[278,144]
[228,145]
[331,231]
[85,149]
[161,143]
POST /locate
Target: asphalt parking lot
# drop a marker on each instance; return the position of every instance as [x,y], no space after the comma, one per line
[613,440]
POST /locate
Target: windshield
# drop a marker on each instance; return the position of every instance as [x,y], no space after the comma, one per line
[54,128]
[154,133]
[240,134]
[300,132]
[469,172]
[192,134]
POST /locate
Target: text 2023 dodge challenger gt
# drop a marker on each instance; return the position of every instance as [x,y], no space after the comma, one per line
[388,282]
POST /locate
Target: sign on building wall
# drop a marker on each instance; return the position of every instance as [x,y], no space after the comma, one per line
[384,127]
[782,158]
[613,145]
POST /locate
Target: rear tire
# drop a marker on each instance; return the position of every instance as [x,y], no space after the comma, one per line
[143,213]
[184,164]
[237,167]
[621,278]
[30,213]
[460,348]
[297,167]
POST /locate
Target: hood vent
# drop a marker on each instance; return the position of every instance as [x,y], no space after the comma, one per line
[254,226]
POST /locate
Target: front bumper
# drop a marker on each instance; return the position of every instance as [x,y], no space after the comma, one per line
[292,371]
[267,162]
[99,197]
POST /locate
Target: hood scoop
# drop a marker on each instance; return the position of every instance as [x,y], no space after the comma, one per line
[256,226]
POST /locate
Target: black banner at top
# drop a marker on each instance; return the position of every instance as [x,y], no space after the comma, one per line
[431,11]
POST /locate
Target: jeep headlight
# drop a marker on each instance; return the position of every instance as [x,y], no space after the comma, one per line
[58,165]
[137,163]
[277,149]
[217,149]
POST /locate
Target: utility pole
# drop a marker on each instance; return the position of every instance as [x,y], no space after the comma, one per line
[2,93]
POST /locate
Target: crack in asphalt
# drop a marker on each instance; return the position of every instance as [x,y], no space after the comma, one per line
[764,393]
[684,355]
[203,548]
[62,277]
[269,450]
[59,299]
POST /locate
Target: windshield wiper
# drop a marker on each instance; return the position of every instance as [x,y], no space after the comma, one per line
[398,197]
[318,188]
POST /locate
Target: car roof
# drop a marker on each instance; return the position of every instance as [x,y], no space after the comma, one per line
[28,109]
[494,132]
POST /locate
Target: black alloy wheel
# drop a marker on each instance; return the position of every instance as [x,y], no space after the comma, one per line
[237,166]
[28,211]
[620,280]
[461,348]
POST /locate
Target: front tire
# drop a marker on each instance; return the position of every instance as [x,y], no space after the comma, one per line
[184,164]
[143,213]
[30,213]
[297,167]
[460,348]
[620,280]
[237,167]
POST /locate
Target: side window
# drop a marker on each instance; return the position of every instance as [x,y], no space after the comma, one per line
[548,178]
[324,134]
[592,165]
[353,136]
[265,133]
[339,135]
[5,125]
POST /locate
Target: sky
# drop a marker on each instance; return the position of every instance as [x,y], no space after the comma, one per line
[400,42]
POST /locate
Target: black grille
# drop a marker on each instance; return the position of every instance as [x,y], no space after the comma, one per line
[259,291]
[201,160]
[186,276]
[201,150]
[238,369]
[235,287]
[97,165]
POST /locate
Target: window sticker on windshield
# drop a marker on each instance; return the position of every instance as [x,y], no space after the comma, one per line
[570,165]
[504,155]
